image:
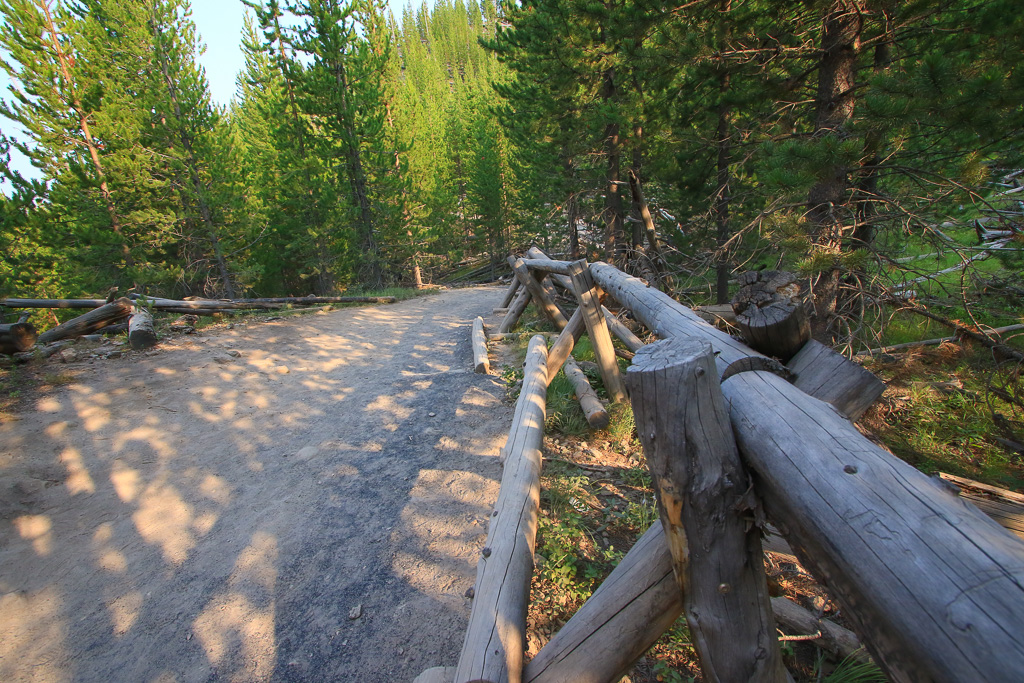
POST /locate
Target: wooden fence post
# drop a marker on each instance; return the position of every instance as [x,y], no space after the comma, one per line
[562,348]
[522,300]
[510,293]
[597,330]
[481,364]
[706,510]
[496,635]
[532,282]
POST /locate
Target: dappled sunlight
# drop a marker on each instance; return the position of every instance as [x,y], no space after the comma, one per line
[164,519]
[78,478]
[37,529]
[236,628]
[33,629]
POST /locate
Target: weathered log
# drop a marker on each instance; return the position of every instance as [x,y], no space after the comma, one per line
[305,300]
[625,616]
[597,416]
[933,586]
[1004,506]
[590,303]
[827,375]
[500,311]
[141,334]
[92,321]
[705,510]
[547,265]
[205,312]
[619,329]
[531,281]
[522,300]
[665,316]
[17,337]
[510,293]
[494,336]
[496,635]
[834,638]
[52,303]
[481,364]
[563,345]
[562,281]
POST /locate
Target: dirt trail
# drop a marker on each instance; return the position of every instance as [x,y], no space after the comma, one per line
[176,517]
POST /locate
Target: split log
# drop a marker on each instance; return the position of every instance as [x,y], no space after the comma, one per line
[496,635]
[17,337]
[481,364]
[532,282]
[705,510]
[933,586]
[1004,506]
[141,334]
[92,321]
[562,348]
[597,416]
[827,375]
[590,303]
[770,312]
[515,310]
[619,329]
[510,293]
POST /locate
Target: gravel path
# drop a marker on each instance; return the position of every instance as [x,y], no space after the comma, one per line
[294,500]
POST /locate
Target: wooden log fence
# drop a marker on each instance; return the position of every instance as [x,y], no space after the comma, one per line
[481,364]
[933,587]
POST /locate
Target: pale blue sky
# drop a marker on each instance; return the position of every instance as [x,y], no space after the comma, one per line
[219,23]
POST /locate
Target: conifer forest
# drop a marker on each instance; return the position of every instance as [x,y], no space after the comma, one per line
[870,146]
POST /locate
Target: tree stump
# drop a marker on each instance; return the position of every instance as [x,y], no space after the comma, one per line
[770,312]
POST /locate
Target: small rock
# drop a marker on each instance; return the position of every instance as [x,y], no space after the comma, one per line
[92,337]
[431,414]
[307,452]
[152,353]
[69,355]
[114,354]
[282,370]
[355,612]
[233,353]
[470,592]
[220,359]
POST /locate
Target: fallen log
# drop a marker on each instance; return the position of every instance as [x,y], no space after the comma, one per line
[827,375]
[496,635]
[705,510]
[597,416]
[314,300]
[834,638]
[17,337]
[481,364]
[52,303]
[93,321]
[934,587]
[964,331]
[141,334]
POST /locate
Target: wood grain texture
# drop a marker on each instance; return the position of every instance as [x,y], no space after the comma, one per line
[834,379]
[481,364]
[934,588]
[496,635]
[1004,506]
[625,616]
[779,329]
[141,334]
[94,320]
[706,510]
[666,317]
[590,303]
[597,416]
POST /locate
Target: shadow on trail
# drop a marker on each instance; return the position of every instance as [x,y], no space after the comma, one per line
[178,518]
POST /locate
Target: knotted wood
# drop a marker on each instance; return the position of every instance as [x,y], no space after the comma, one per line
[496,635]
[706,510]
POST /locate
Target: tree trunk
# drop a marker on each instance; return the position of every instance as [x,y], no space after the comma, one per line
[834,105]
[723,143]
[614,241]
[92,321]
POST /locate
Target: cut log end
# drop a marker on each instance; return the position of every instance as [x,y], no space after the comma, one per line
[141,334]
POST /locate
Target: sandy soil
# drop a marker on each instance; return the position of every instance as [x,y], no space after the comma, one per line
[193,515]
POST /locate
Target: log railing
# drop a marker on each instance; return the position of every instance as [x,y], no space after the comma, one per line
[933,587]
